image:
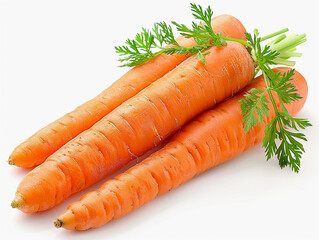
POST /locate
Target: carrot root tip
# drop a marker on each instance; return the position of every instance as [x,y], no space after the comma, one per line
[10,161]
[14,204]
[58,223]
[18,201]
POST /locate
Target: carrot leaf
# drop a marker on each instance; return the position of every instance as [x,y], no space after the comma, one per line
[254,107]
[281,84]
[289,149]
[149,44]
[281,138]
[201,56]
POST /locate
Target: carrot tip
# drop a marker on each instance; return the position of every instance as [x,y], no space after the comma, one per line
[14,204]
[10,161]
[18,201]
[58,223]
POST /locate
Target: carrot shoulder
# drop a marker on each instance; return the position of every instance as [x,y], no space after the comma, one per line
[46,141]
[137,125]
[210,139]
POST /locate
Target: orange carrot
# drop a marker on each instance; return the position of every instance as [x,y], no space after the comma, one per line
[212,138]
[137,126]
[46,141]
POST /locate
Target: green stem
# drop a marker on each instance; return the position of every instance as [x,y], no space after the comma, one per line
[291,50]
[236,40]
[158,53]
[290,54]
[274,34]
[290,42]
[277,40]
[281,61]
[283,107]
[266,78]
[293,45]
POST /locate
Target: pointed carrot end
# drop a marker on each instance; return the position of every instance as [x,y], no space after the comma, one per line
[66,220]
[18,201]
[58,223]
[14,204]
[10,161]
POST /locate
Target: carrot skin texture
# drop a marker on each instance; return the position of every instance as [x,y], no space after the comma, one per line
[210,139]
[46,141]
[138,125]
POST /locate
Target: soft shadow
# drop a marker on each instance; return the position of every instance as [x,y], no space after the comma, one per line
[19,172]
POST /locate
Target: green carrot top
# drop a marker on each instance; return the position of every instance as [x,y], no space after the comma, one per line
[279,51]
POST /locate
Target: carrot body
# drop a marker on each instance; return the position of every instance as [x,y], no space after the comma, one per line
[210,139]
[46,141]
[137,125]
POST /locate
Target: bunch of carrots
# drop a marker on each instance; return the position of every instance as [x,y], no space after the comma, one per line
[201,90]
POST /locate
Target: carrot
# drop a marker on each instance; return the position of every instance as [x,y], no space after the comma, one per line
[137,126]
[46,141]
[212,138]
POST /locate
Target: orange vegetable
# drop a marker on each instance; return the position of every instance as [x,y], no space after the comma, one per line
[46,141]
[137,126]
[212,138]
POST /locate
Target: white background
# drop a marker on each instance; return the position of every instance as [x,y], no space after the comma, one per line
[57,54]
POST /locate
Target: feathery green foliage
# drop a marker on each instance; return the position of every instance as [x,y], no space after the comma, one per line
[279,141]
